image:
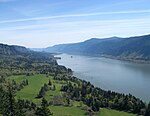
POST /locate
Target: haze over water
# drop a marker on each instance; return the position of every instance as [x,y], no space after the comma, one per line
[110,74]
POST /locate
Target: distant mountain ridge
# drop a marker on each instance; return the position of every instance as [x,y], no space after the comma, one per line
[14,51]
[18,60]
[132,48]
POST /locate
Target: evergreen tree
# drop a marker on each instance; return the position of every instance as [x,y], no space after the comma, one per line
[41,92]
[46,88]
[49,83]
[148,110]
[44,102]
[10,105]
[54,87]
[12,108]
[43,110]
[33,105]
[68,101]
[27,83]
[2,99]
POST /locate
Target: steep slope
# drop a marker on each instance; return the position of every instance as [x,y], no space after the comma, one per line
[132,48]
[13,50]
[20,60]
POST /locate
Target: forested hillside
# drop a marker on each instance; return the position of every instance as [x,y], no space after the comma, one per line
[131,49]
[20,60]
[33,84]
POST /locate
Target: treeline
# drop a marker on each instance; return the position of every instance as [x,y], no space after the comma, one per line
[42,91]
[14,61]
[29,63]
[97,98]
[20,65]
[45,88]
[9,106]
[16,86]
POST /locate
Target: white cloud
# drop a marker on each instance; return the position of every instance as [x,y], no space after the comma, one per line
[76,24]
[43,35]
[73,15]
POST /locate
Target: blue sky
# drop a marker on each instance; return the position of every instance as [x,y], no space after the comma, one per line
[42,23]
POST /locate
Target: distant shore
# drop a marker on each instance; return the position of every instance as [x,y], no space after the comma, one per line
[132,60]
[121,58]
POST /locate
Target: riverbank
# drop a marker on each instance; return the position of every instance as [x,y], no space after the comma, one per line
[127,59]
[110,74]
[132,59]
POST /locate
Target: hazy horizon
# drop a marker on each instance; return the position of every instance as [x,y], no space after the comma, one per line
[39,24]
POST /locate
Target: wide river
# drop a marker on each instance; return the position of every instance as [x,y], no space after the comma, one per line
[110,74]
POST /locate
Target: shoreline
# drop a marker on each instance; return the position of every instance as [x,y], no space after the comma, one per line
[125,59]
[99,86]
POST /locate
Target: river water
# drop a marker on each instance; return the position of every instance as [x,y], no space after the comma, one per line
[110,74]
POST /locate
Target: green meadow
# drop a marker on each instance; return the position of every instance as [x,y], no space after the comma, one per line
[66,111]
[37,81]
[108,112]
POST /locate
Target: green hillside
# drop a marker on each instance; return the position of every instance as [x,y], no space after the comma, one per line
[37,81]
[134,49]
[109,112]
[33,85]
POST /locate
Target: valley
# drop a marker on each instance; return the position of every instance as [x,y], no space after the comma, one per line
[132,49]
[74,108]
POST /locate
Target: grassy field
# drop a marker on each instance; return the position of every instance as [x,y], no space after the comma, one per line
[76,111]
[107,112]
[37,81]
[66,111]
[52,93]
